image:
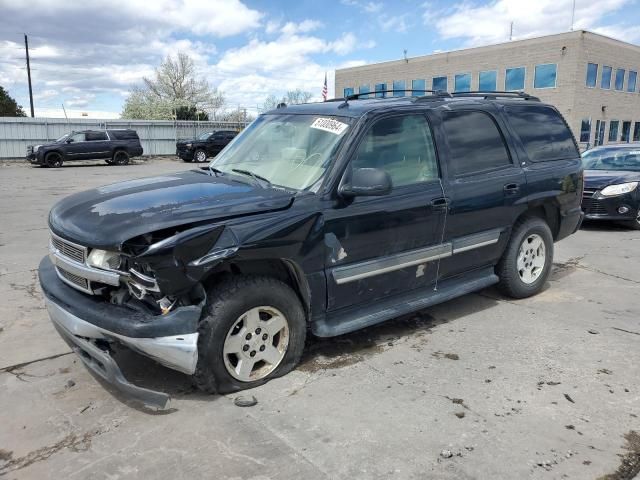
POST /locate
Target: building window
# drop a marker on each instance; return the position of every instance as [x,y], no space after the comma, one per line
[631,82]
[619,85]
[626,131]
[418,86]
[585,130]
[398,88]
[636,132]
[613,130]
[545,76]
[600,127]
[380,89]
[488,81]
[462,82]
[605,81]
[514,79]
[592,74]
[439,83]
[348,91]
[364,89]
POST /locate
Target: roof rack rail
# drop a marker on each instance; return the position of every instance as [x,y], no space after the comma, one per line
[355,96]
[493,94]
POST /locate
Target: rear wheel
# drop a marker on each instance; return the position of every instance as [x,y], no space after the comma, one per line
[526,262]
[254,330]
[120,157]
[200,156]
[53,160]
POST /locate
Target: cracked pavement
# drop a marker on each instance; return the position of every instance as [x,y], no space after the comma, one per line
[540,388]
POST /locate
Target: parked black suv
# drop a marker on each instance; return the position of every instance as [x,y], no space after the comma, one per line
[325,217]
[206,145]
[115,146]
[611,179]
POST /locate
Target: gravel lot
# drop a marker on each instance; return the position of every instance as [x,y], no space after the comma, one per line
[480,387]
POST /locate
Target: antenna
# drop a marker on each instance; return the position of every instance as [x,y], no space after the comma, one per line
[405,56]
[65,113]
[573,14]
[511,31]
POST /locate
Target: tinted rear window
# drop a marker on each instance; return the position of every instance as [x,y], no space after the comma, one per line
[123,134]
[544,134]
[95,136]
[475,142]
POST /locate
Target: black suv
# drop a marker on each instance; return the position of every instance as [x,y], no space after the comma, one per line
[115,146]
[206,145]
[322,218]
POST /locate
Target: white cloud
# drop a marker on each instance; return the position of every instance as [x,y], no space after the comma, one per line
[344,45]
[491,23]
[622,32]
[397,23]
[291,28]
[74,113]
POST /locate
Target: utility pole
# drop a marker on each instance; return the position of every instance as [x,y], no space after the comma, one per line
[26,47]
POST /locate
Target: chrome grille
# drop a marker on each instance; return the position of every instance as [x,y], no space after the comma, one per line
[69,250]
[80,282]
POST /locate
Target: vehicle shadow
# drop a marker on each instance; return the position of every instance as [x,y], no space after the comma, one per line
[321,354]
[603,226]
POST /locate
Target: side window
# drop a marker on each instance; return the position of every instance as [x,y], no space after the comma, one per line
[544,134]
[78,137]
[475,142]
[95,136]
[403,146]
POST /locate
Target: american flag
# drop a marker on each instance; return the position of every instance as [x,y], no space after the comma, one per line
[324,88]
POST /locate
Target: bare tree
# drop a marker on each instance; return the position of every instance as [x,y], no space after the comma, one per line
[292,97]
[174,88]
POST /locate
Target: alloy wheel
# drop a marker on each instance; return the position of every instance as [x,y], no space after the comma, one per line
[531,258]
[256,344]
[201,156]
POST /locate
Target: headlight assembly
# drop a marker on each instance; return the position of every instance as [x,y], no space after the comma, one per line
[619,189]
[36,148]
[189,145]
[104,259]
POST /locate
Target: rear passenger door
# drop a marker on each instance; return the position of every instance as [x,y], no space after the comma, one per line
[216,142]
[97,145]
[484,184]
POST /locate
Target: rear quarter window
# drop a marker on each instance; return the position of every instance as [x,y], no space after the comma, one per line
[123,134]
[543,132]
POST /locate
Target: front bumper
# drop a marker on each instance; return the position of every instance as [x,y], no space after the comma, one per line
[185,153]
[599,207]
[88,324]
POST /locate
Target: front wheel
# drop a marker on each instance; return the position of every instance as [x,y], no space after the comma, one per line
[634,224]
[254,330]
[526,262]
[53,160]
[200,156]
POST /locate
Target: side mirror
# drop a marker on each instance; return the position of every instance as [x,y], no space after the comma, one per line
[367,182]
[69,140]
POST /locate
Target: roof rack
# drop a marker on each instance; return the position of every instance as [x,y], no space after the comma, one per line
[355,96]
[493,94]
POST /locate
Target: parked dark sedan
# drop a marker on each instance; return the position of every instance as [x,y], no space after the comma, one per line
[611,192]
[206,145]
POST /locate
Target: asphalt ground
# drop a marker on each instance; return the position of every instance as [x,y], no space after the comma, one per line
[482,387]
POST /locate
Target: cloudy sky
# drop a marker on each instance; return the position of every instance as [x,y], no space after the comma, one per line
[88,54]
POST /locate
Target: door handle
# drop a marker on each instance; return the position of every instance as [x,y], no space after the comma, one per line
[511,188]
[440,203]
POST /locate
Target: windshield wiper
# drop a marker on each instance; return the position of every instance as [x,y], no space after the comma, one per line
[255,176]
[215,171]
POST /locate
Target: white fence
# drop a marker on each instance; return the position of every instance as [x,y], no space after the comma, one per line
[158,137]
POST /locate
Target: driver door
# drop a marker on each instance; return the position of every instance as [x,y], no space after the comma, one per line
[77,148]
[377,247]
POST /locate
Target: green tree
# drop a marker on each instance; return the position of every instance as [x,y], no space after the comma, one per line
[8,106]
[175,91]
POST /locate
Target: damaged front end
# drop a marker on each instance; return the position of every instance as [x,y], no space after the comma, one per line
[145,294]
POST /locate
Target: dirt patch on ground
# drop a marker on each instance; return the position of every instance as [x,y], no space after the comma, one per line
[562,269]
[630,464]
[352,348]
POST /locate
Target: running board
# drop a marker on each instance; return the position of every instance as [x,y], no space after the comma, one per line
[355,318]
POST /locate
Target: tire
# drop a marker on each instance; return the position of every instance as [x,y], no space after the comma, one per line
[525,267]
[120,157]
[109,161]
[234,305]
[200,156]
[53,160]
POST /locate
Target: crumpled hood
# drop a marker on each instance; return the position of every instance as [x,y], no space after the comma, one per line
[598,179]
[107,216]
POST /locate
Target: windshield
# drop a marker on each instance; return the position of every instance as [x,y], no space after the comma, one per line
[612,159]
[291,151]
[63,138]
[204,136]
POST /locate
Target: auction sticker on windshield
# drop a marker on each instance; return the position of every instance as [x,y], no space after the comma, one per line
[329,125]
